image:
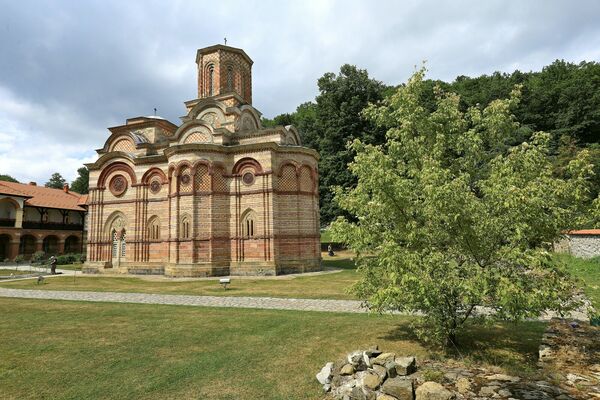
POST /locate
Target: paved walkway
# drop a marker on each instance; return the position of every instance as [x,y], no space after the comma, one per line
[271,303]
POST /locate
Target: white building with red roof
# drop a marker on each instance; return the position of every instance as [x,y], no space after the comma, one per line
[36,218]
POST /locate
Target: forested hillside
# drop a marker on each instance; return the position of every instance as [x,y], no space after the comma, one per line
[563,99]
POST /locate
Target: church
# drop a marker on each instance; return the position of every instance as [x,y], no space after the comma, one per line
[216,195]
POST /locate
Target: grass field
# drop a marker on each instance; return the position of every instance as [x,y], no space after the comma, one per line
[8,272]
[588,272]
[71,350]
[328,286]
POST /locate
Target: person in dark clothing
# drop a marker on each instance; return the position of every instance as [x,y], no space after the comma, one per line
[53,262]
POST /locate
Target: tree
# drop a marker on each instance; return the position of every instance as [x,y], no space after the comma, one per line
[339,120]
[8,178]
[56,181]
[452,221]
[81,183]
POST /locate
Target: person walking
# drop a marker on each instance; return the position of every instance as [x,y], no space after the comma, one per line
[53,262]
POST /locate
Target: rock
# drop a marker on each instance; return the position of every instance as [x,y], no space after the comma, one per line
[451,376]
[326,387]
[383,358]
[400,388]
[366,360]
[384,396]
[355,357]
[433,391]
[324,377]
[405,365]
[390,368]
[545,352]
[371,381]
[345,389]
[488,390]
[347,369]
[357,394]
[381,371]
[373,351]
[463,385]
[572,378]
[502,378]
[504,393]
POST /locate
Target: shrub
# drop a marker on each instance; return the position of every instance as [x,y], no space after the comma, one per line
[38,256]
[20,258]
[70,258]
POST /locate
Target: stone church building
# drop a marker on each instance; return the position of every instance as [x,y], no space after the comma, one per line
[218,194]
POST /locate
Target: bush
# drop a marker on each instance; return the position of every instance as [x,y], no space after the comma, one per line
[20,258]
[70,259]
[38,257]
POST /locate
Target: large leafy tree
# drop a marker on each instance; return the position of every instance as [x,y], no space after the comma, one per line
[81,183]
[452,221]
[56,181]
[339,120]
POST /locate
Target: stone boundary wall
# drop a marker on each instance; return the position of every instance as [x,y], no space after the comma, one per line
[583,246]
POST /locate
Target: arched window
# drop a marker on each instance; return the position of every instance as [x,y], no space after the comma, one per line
[211,79]
[230,78]
[185,227]
[153,228]
[249,228]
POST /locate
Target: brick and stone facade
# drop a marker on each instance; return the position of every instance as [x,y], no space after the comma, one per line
[217,195]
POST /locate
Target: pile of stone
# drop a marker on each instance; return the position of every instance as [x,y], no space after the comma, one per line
[375,375]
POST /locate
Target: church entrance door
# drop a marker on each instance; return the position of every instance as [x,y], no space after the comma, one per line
[118,248]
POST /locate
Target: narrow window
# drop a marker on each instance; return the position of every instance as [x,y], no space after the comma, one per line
[248,226]
[115,244]
[185,228]
[123,245]
[211,78]
[230,78]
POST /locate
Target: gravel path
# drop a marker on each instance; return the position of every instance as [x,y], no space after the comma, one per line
[270,303]
[185,300]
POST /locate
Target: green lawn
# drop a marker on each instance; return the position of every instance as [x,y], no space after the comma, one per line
[72,267]
[588,272]
[8,272]
[328,286]
[73,350]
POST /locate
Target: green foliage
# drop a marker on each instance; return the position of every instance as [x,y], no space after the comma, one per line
[38,256]
[451,218]
[56,181]
[81,183]
[20,258]
[68,259]
[8,178]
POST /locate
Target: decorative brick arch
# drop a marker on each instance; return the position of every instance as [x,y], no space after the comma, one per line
[151,173]
[114,167]
[247,162]
[288,177]
[306,178]
[116,221]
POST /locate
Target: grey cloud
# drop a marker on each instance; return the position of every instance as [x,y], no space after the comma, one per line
[97,63]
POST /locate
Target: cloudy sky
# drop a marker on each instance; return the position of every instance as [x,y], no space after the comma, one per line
[70,69]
